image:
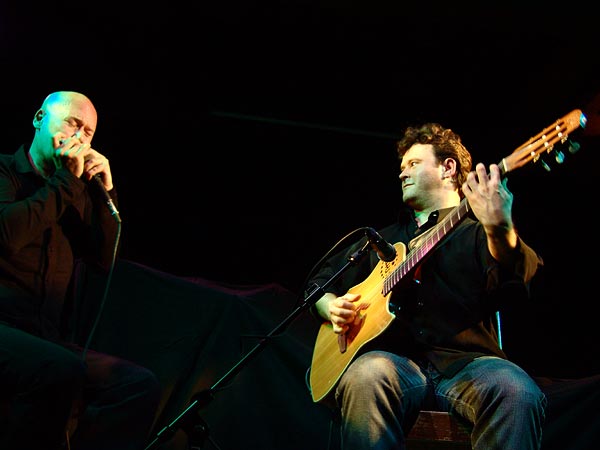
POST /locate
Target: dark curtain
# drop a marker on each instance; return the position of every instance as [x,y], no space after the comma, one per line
[192,333]
[195,334]
[573,416]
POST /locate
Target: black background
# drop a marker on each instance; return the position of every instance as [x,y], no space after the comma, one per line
[247,138]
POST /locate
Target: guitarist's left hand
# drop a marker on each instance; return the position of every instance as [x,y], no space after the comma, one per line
[489,197]
[341,311]
[491,202]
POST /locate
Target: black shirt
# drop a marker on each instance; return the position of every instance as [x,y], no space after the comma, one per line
[445,306]
[45,225]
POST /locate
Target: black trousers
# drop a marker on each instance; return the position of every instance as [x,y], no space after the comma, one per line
[41,381]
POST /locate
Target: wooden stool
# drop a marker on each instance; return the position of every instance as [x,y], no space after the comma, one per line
[436,430]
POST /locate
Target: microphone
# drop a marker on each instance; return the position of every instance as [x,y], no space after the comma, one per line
[385,250]
[109,201]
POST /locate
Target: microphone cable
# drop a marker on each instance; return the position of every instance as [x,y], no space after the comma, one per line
[105,294]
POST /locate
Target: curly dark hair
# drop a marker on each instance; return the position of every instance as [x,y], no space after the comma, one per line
[446,144]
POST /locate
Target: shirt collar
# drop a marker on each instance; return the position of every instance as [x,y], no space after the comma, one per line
[433,219]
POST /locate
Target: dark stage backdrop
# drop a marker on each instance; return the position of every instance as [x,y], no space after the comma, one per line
[192,331]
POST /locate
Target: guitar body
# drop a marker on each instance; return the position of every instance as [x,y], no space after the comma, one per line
[334,352]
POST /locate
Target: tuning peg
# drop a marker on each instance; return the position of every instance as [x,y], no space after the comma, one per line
[559,156]
[545,165]
[573,147]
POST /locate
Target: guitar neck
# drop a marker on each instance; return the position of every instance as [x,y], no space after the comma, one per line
[431,241]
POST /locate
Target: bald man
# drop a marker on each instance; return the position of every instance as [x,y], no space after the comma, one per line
[53,212]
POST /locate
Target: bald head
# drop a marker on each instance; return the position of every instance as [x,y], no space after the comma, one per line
[67,110]
[62,103]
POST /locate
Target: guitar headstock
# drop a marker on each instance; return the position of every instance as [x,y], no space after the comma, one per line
[544,142]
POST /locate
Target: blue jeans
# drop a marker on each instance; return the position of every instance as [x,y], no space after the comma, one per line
[380,396]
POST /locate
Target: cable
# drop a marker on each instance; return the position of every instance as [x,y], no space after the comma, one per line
[105,295]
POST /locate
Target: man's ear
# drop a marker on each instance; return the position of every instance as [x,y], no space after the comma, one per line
[449,168]
[37,119]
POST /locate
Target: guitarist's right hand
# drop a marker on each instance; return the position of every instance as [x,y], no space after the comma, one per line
[341,311]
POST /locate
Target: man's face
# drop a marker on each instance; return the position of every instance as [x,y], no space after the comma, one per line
[421,175]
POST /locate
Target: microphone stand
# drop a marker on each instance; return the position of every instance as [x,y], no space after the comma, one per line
[191,423]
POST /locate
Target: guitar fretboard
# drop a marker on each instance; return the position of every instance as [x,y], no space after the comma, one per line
[434,237]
